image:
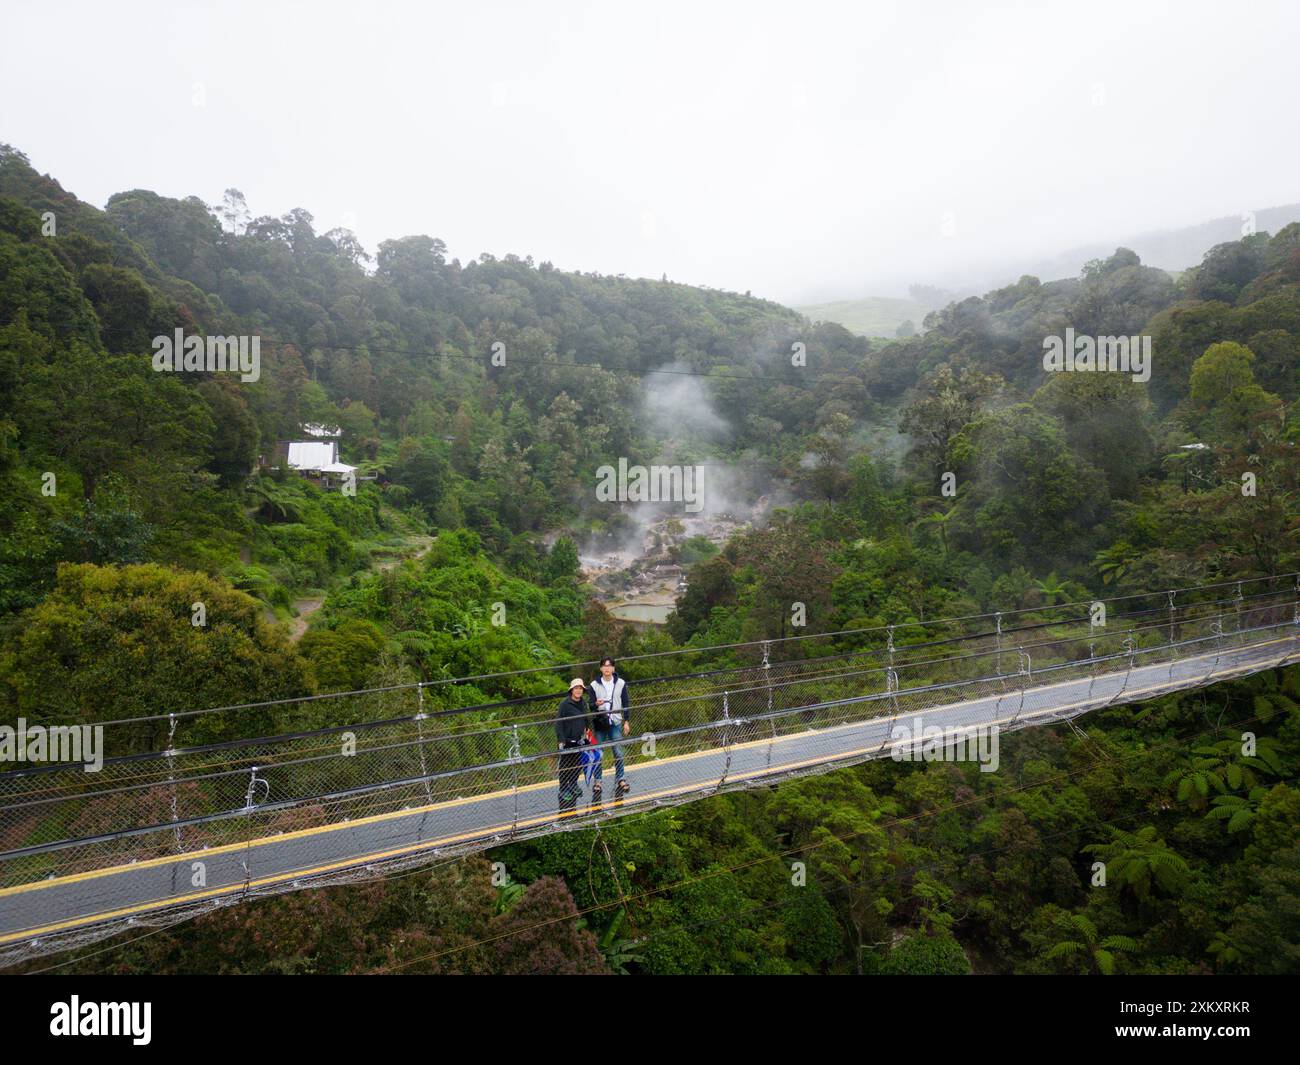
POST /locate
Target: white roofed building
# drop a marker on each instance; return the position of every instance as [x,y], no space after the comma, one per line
[315,459]
[312,455]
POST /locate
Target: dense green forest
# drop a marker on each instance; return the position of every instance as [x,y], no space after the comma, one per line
[129,494]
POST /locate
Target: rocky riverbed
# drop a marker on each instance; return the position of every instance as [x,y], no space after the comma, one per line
[640,581]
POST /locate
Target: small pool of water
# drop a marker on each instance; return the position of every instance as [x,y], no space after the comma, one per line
[651,613]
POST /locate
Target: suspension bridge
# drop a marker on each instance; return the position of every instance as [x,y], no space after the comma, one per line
[193,809]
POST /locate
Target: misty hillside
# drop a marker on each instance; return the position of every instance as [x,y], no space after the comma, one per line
[1173,250]
[871,316]
[1168,249]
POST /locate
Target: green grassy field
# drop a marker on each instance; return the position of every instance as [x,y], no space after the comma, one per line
[871,316]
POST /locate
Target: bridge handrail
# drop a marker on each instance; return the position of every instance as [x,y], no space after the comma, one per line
[709,726]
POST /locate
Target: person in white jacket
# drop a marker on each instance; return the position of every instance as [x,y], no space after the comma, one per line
[610,715]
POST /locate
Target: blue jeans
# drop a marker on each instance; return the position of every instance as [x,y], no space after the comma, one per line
[614,732]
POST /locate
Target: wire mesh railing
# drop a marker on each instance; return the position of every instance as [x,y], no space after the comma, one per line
[476,768]
[187,728]
[424,743]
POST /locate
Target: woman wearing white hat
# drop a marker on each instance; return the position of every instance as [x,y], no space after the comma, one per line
[570,731]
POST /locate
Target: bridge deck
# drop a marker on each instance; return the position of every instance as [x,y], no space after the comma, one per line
[62,904]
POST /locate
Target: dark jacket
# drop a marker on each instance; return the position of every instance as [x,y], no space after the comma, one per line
[571,721]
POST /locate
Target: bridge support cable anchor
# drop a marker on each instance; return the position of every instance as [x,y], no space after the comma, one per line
[245,863]
[1173,644]
[1026,673]
[891,688]
[253,781]
[726,737]
[771,717]
[1216,630]
[1129,650]
[891,681]
[171,778]
[997,667]
[767,680]
[516,757]
[419,735]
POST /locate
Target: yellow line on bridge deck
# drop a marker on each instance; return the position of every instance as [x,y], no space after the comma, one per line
[514,825]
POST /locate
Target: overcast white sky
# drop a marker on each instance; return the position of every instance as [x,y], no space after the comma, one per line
[799,150]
